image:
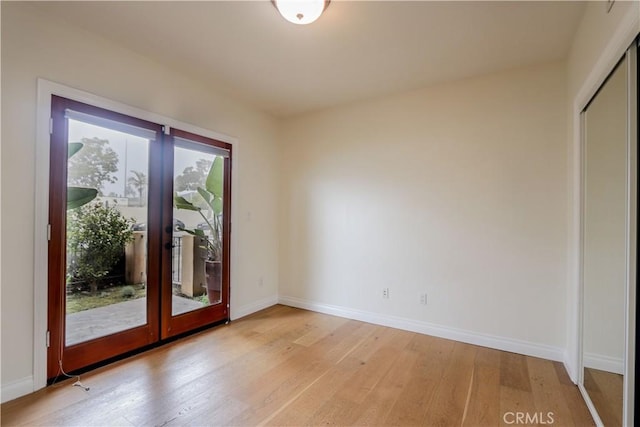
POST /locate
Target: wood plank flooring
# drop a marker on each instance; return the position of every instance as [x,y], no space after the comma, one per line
[285,366]
[606,392]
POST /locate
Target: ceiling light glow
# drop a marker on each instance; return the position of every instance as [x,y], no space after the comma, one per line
[301,12]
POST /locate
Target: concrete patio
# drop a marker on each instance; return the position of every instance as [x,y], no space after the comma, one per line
[98,322]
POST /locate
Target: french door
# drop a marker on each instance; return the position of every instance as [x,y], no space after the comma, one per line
[139,234]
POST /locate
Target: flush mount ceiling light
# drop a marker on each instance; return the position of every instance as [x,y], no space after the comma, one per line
[301,12]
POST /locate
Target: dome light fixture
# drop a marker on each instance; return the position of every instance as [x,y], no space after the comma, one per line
[301,12]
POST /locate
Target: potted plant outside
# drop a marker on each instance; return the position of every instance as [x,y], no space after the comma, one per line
[210,208]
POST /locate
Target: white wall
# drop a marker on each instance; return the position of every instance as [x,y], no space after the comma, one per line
[600,41]
[458,191]
[36,46]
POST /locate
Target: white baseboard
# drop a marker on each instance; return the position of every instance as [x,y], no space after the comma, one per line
[485,340]
[17,388]
[570,367]
[247,309]
[604,363]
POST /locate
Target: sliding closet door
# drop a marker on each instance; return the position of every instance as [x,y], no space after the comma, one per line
[609,245]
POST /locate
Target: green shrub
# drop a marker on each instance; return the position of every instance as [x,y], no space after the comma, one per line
[96,237]
[202,299]
[127,292]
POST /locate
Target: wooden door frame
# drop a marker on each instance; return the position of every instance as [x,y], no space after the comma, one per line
[45,90]
[59,356]
[161,324]
[176,325]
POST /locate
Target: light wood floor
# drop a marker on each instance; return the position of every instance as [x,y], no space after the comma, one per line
[285,366]
[606,392]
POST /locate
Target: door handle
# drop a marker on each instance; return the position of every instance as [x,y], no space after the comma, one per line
[169,245]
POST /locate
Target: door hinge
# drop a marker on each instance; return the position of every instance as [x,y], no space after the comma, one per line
[48,231]
[50,125]
[48,339]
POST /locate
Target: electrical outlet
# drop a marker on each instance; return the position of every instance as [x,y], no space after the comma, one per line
[385,293]
[423,299]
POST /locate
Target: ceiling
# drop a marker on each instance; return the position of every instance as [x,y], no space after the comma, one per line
[356,50]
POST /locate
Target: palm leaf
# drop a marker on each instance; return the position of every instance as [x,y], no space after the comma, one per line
[182,203]
[217,206]
[195,232]
[215,177]
[74,147]
[208,197]
[79,196]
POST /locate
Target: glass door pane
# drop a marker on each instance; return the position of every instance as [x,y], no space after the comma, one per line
[106,229]
[130,260]
[197,253]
